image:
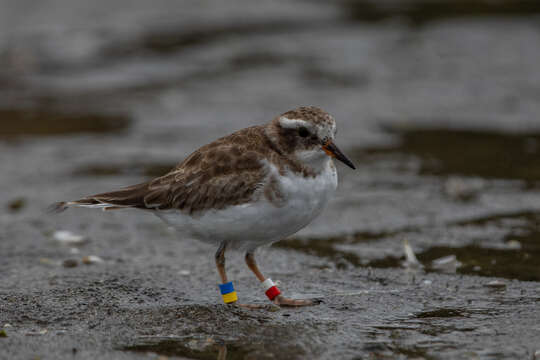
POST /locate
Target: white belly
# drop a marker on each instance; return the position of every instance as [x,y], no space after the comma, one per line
[250,225]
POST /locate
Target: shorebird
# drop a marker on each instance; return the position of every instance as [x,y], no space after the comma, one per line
[251,188]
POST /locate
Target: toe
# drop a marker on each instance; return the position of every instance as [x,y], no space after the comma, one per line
[283,301]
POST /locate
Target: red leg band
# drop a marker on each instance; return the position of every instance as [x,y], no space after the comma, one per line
[272,292]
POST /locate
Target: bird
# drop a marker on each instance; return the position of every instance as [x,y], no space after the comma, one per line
[251,188]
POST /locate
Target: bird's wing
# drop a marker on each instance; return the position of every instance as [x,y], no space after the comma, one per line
[227,172]
[213,182]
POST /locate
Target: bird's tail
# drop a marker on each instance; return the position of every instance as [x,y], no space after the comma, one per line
[129,197]
[58,207]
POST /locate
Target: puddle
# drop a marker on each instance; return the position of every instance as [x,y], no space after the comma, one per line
[440,313]
[421,12]
[210,348]
[216,332]
[46,122]
[520,263]
[452,313]
[395,350]
[200,349]
[471,153]
[510,263]
[173,40]
[325,248]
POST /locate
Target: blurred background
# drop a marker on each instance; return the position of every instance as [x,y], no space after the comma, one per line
[437,102]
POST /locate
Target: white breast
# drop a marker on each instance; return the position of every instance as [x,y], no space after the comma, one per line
[250,225]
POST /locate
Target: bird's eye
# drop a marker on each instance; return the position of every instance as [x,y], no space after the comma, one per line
[303,132]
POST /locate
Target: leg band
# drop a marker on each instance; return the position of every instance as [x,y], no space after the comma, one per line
[270,288]
[227,292]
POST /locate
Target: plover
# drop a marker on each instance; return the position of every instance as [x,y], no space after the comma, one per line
[250,188]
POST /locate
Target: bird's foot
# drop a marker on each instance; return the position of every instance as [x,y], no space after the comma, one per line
[279,301]
[283,301]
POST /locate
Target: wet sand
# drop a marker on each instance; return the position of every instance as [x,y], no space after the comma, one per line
[437,105]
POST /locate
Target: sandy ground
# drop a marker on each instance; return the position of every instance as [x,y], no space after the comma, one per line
[437,105]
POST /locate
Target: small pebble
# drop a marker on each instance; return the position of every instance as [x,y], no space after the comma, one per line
[496,284]
[47,261]
[7,325]
[68,238]
[445,260]
[91,259]
[37,333]
[461,189]
[70,263]
[184,272]
[16,204]
[74,251]
[446,263]
[410,258]
[514,244]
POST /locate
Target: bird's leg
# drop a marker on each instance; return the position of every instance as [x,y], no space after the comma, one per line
[220,262]
[252,265]
[272,290]
[227,290]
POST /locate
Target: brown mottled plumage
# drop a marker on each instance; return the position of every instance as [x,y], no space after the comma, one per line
[228,171]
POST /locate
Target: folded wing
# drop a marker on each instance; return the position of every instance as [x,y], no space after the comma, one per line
[218,175]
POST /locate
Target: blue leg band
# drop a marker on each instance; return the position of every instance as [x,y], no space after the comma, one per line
[226,288]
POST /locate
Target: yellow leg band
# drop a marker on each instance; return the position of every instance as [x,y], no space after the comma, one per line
[230,297]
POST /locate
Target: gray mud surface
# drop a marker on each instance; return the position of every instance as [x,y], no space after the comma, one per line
[437,103]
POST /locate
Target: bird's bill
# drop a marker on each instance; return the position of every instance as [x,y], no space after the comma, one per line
[332,150]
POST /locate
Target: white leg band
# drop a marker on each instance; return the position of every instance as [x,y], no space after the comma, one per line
[267,284]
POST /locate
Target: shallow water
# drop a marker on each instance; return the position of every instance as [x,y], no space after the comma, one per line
[437,104]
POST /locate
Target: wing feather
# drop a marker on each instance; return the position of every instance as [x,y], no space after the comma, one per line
[227,172]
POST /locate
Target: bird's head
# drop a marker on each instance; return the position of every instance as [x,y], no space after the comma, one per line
[307,133]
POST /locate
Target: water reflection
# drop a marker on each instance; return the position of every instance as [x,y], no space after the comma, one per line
[421,12]
[192,348]
[47,121]
[470,153]
[507,261]
[212,347]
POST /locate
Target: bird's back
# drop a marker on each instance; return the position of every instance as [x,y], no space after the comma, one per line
[223,173]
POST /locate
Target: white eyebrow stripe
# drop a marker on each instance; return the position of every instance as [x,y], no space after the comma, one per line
[293,123]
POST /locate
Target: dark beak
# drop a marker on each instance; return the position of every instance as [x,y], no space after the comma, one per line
[332,150]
